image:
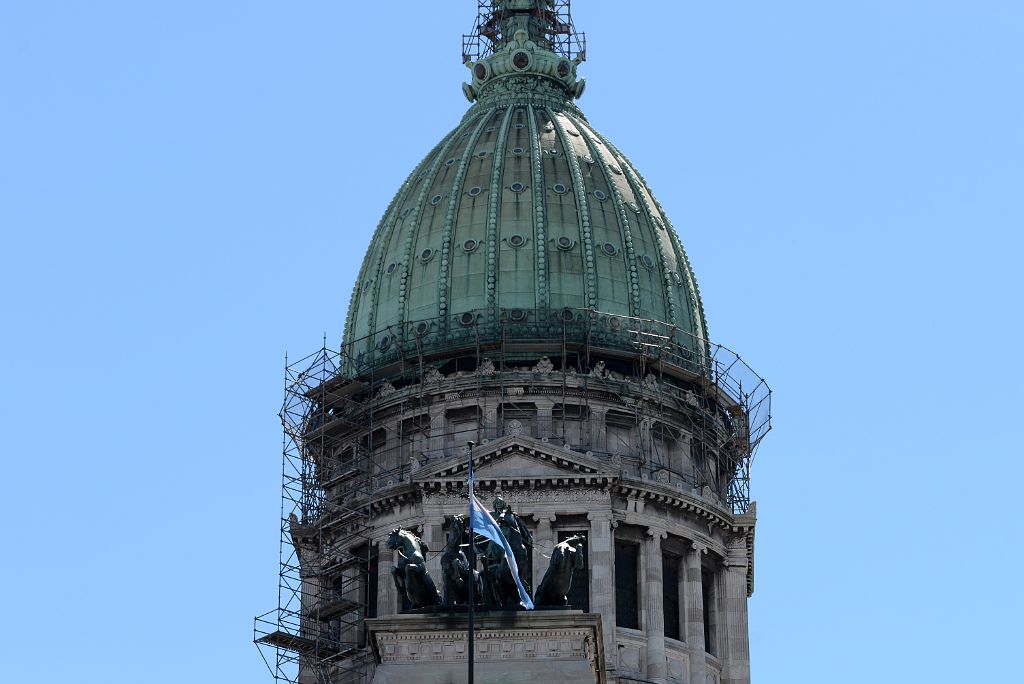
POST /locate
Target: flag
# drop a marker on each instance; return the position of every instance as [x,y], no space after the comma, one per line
[484,524]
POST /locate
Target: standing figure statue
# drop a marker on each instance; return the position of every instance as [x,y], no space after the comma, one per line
[455,568]
[410,572]
[566,558]
[501,586]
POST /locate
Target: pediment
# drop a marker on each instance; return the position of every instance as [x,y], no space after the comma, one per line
[522,459]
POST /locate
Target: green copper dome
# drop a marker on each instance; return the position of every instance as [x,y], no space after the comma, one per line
[521,219]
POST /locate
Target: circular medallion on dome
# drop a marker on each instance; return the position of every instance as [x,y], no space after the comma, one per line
[564,243]
[435,200]
[560,188]
[470,245]
[519,125]
[563,68]
[391,268]
[475,190]
[516,240]
[518,151]
[384,343]
[480,71]
[517,315]
[520,60]
[517,187]
[426,255]
[422,328]
[647,261]
[467,318]
[449,162]
[601,195]
[482,153]
[609,249]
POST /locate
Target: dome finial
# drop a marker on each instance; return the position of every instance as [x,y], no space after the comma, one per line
[533,38]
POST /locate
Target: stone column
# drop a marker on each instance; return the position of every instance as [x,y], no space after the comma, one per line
[387,594]
[735,650]
[602,581]
[544,427]
[435,445]
[490,428]
[695,613]
[598,428]
[654,609]
[543,543]
[646,450]
[391,453]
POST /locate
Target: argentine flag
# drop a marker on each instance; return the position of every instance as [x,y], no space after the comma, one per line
[484,524]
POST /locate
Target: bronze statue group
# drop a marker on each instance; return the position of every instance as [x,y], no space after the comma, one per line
[494,586]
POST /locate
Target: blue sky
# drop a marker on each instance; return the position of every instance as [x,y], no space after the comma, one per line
[186,189]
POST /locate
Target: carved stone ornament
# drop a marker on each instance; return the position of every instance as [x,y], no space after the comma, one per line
[386,390]
[513,428]
[598,371]
[486,368]
[544,366]
[433,375]
[650,382]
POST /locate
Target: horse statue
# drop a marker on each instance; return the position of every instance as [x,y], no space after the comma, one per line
[410,573]
[566,557]
[455,568]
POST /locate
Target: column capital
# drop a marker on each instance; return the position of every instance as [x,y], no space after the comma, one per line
[699,548]
[599,515]
[657,532]
[547,517]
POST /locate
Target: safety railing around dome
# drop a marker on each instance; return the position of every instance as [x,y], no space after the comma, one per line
[402,349]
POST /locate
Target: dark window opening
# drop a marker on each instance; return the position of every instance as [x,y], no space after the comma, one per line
[670,596]
[627,608]
[707,598]
[579,588]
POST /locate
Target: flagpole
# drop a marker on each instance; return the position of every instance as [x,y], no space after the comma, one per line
[472,567]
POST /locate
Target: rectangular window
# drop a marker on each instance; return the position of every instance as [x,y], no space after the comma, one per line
[579,589]
[627,608]
[670,595]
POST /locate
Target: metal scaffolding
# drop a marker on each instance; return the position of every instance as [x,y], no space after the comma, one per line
[554,20]
[356,423]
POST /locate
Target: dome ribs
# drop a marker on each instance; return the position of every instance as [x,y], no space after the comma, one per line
[455,197]
[640,193]
[635,306]
[414,221]
[492,214]
[700,325]
[539,226]
[386,225]
[581,204]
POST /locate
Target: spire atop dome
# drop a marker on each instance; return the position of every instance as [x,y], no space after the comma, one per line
[523,38]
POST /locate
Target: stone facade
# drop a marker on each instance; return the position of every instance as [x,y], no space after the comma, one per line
[517,648]
[553,475]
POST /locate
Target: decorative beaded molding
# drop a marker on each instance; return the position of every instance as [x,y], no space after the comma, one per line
[455,197]
[627,236]
[543,296]
[701,325]
[581,204]
[492,210]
